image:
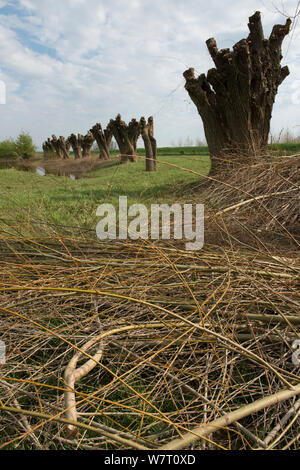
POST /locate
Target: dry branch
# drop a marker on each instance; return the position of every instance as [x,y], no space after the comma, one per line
[206,430]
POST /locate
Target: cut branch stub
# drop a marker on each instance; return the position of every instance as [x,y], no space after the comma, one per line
[76,145]
[103,139]
[126,137]
[147,134]
[87,144]
[235,99]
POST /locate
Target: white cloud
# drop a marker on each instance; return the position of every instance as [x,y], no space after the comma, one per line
[69,64]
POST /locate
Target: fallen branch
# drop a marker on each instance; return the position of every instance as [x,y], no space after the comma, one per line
[207,429]
[72,375]
[114,437]
[258,198]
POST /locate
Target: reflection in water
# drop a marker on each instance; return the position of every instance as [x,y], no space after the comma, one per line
[40,171]
[6,165]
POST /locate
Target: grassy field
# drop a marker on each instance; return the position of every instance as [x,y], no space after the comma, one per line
[60,200]
[287,148]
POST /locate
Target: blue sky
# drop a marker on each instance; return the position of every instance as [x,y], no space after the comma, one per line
[70,63]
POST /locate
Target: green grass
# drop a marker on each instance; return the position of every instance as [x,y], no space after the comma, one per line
[288,149]
[59,200]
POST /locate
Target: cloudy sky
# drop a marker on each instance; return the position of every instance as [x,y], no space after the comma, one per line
[70,63]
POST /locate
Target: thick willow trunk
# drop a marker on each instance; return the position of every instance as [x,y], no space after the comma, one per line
[147,133]
[126,137]
[55,144]
[103,139]
[87,144]
[61,147]
[48,149]
[65,146]
[235,99]
[75,142]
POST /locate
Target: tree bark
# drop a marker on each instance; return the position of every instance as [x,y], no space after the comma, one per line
[126,137]
[235,99]
[75,142]
[61,147]
[87,144]
[48,149]
[149,142]
[65,147]
[103,139]
[57,146]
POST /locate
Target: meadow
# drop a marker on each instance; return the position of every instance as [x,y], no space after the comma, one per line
[61,200]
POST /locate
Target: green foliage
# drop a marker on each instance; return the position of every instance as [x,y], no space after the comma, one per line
[8,149]
[24,146]
[21,147]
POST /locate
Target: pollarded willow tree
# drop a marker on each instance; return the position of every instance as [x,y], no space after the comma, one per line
[147,133]
[86,144]
[61,147]
[235,99]
[75,141]
[48,148]
[126,136]
[103,139]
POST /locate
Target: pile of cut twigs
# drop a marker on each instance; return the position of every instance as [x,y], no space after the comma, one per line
[256,204]
[141,345]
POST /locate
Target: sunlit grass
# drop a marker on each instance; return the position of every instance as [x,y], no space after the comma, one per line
[64,201]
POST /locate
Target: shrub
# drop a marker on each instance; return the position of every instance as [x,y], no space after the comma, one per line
[24,146]
[8,149]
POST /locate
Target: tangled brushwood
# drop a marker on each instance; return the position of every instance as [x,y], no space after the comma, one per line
[257,204]
[142,345]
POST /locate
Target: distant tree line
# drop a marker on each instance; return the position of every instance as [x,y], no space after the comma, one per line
[285,136]
[189,142]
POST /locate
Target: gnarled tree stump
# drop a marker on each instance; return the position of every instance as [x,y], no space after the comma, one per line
[57,146]
[75,142]
[87,144]
[103,139]
[236,98]
[126,137]
[48,149]
[65,146]
[147,134]
[61,147]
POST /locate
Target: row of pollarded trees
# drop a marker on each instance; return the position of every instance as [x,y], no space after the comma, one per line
[126,136]
[234,99]
[81,145]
